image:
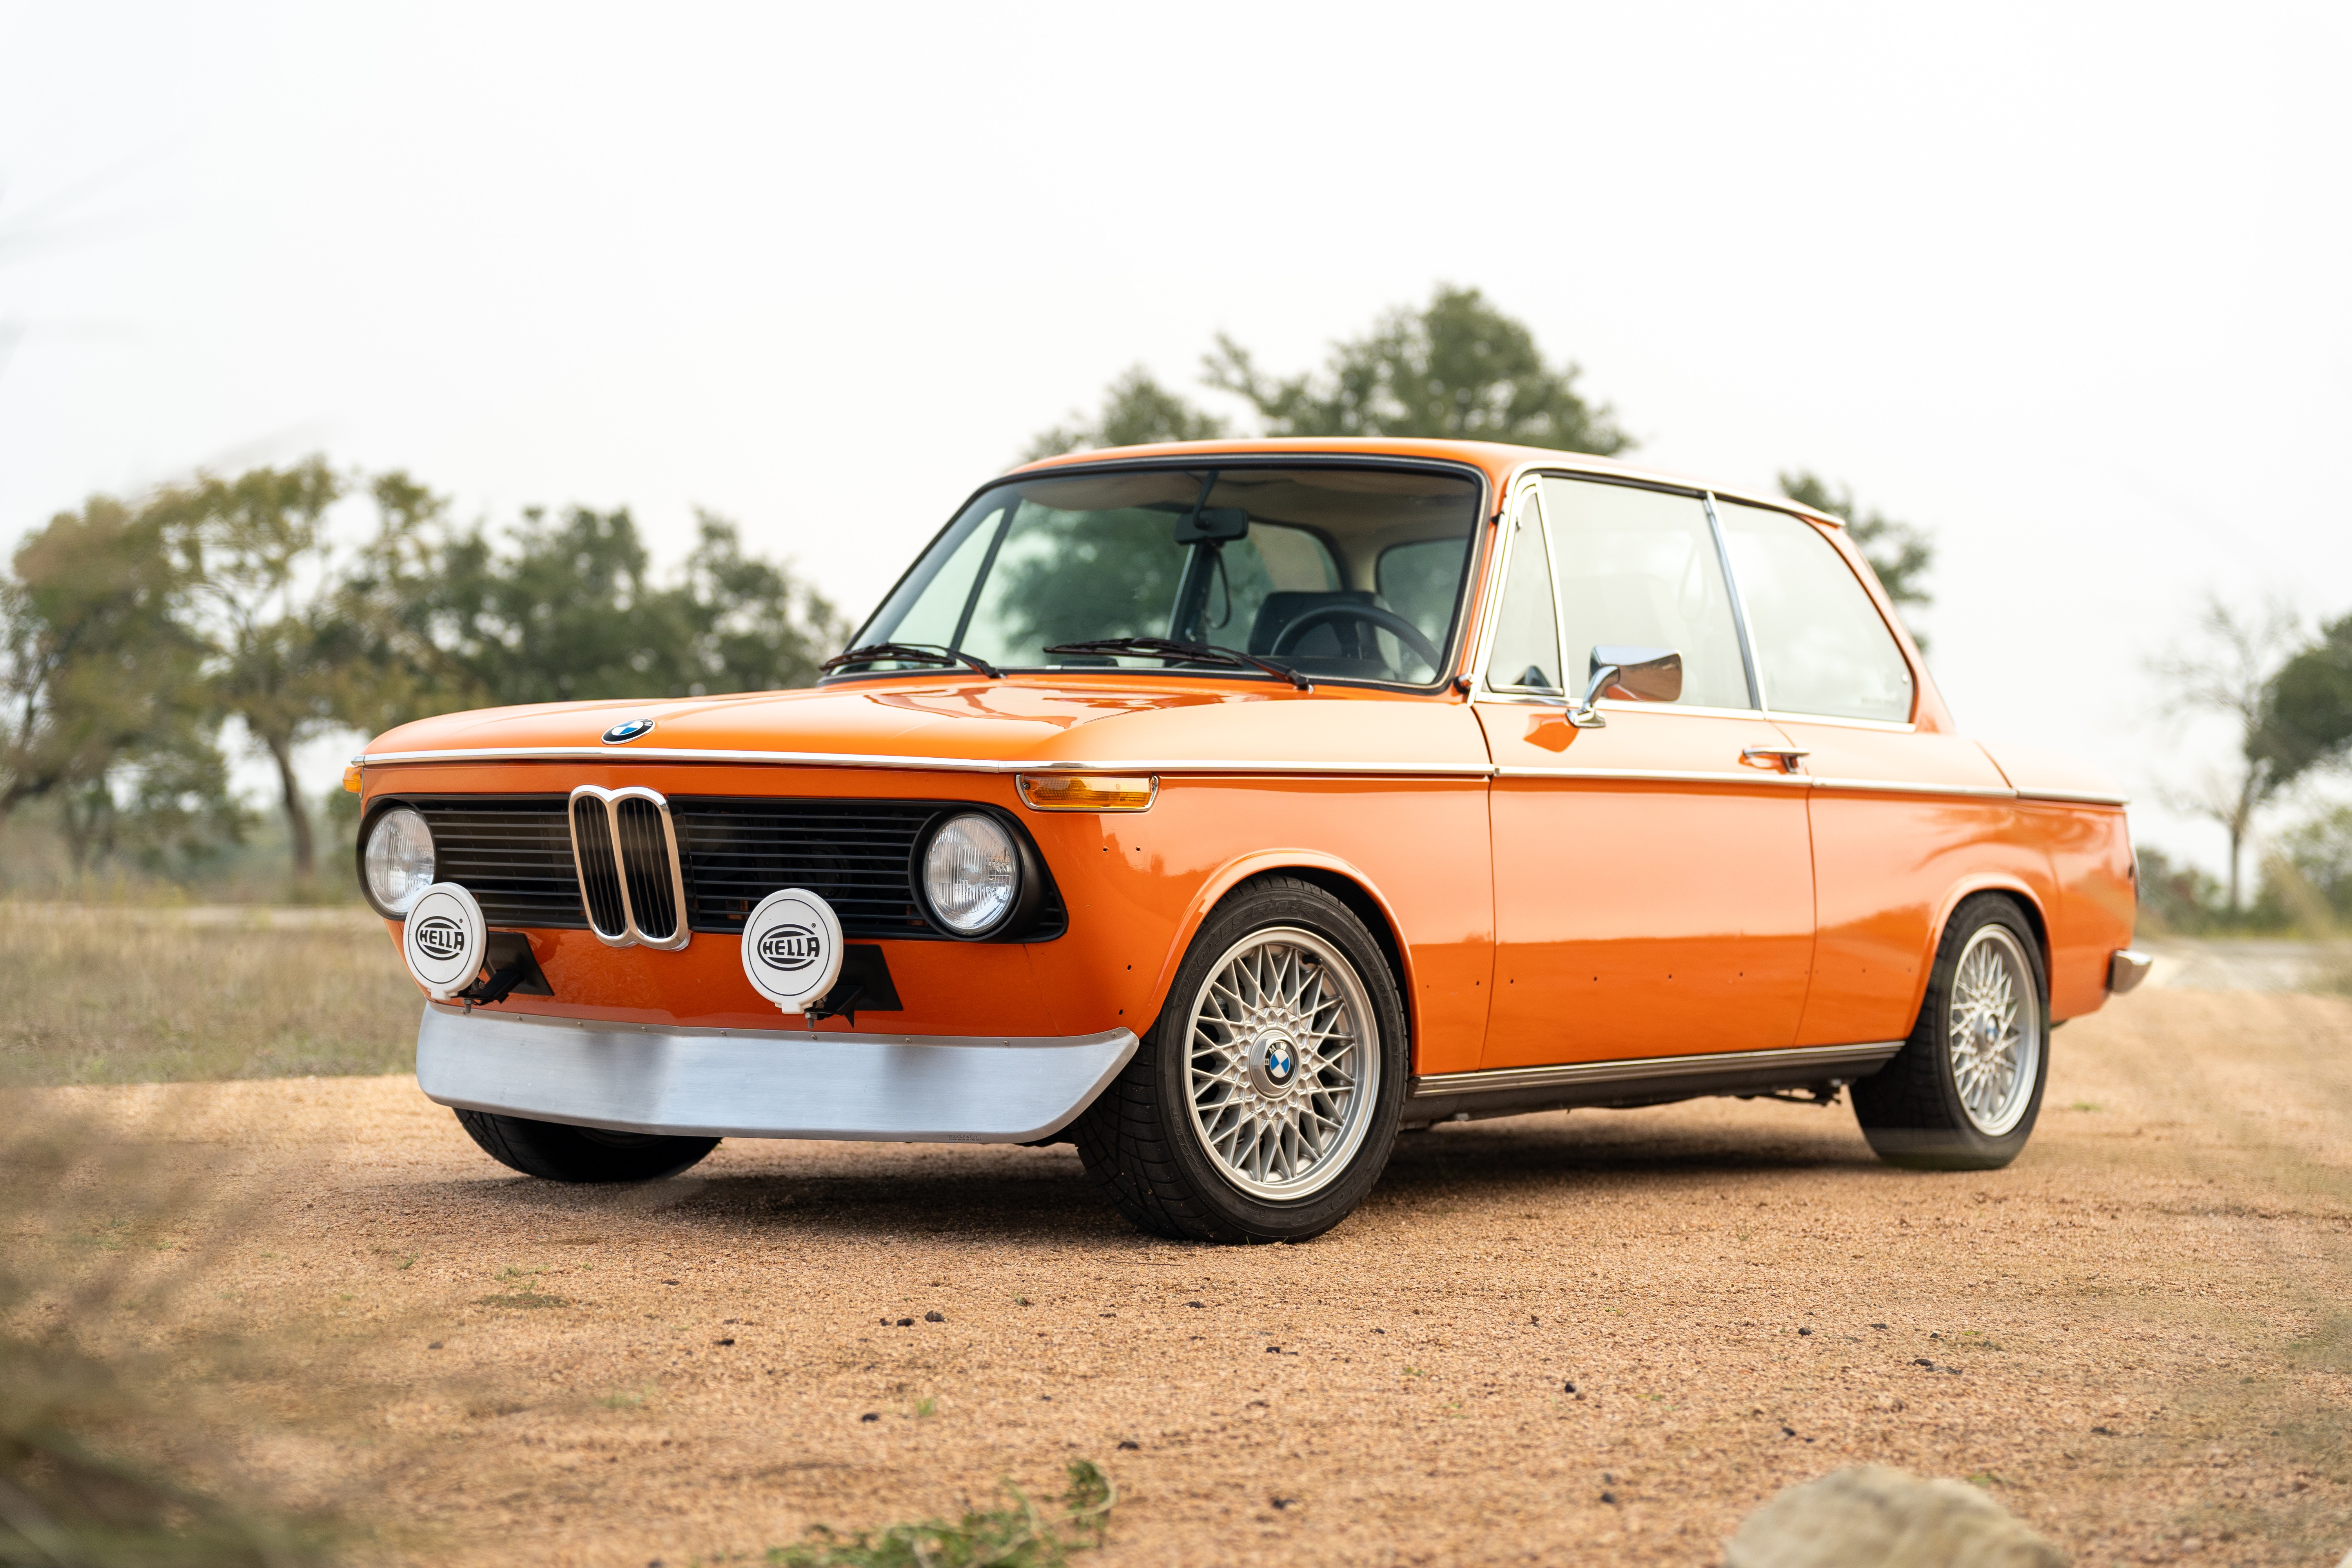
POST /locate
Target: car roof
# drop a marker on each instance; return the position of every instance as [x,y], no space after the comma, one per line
[1499,461]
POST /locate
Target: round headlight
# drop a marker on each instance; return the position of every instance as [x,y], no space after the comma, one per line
[971,874]
[399,860]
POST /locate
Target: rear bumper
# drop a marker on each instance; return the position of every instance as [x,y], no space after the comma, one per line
[2127,969]
[756,1083]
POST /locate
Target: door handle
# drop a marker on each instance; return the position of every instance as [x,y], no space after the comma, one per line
[1789,758]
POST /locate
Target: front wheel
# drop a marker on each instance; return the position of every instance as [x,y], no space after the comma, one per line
[1262,1104]
[1964,1092]
[561,1152]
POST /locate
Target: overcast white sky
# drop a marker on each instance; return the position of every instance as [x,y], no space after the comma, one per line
[2066,286]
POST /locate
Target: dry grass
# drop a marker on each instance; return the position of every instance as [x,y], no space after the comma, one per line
[120,1445]
[142,994]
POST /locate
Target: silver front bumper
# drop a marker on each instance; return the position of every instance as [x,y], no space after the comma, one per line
[758,1083]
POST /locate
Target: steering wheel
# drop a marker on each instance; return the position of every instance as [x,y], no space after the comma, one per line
[1388,621]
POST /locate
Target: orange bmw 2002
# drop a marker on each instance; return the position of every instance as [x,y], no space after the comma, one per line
[1228,808]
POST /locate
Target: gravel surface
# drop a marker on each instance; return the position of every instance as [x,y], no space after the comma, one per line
[1603,1337]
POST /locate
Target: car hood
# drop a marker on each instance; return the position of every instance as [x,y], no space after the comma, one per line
[970,722]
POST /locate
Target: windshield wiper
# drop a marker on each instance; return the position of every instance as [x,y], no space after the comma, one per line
[1193,652]
[912,653]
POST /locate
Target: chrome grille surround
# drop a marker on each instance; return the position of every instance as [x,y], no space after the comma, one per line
[624,853]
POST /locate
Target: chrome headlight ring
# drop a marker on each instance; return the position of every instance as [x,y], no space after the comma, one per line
[976,875]
[397,859]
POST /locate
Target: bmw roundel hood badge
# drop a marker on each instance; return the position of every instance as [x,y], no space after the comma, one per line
[627,730]
[792,949]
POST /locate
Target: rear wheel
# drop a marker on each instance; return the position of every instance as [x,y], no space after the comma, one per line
[1964,1092]
[1262,1104]
[565,1154]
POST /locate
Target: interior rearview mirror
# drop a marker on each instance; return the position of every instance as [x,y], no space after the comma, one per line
[1214,524]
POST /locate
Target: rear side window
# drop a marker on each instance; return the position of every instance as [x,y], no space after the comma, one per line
[1821,645]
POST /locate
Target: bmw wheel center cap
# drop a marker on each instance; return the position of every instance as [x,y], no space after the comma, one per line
[443,938]
[1274,1062]
[792,949]
[627,730]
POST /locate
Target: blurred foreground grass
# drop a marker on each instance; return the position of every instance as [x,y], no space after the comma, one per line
[139,993]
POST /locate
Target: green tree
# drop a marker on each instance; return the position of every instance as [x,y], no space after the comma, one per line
[1137,411]
[1458,368]
[568,607]
[1900,554]
[262,575]
[2306,707]
[102,679]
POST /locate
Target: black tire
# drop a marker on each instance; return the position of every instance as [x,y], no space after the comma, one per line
[1912,1109]
[563,1153]
[1147,1151]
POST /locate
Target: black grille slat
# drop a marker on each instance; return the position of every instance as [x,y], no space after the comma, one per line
[644,856]
[514,854]
[600,882]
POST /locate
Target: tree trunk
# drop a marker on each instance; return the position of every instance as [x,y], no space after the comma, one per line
[298,815]
[2237,850]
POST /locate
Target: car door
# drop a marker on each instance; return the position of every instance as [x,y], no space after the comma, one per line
[1652,875]
[1902,812]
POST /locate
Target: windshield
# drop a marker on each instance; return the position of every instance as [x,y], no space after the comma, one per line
[1343,572]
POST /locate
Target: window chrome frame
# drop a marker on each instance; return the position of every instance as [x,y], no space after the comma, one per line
[630,935]
[1529,480]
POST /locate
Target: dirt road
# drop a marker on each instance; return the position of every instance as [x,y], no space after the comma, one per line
[2138,1338]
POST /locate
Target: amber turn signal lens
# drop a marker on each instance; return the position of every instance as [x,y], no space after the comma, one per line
[1088,792]
[352,779]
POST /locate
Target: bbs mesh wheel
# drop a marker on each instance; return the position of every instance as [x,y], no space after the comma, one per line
[1964,1092]
[1262,1103]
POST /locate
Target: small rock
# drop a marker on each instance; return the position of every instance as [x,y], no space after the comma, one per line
[1281,1501]
[1871,1514]
[1568,1387]
[669,1281]
[434,1346]
[935,1317]
[870,1415]
[1923,1361]
[1878,1325]
[1128,1443]
[1273,1349]
[1202,1303]
[905,1323]
[1805,1330]
[725,1341]
[1609,1497]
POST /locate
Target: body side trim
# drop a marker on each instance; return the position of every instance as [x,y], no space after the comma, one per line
[1652,1068]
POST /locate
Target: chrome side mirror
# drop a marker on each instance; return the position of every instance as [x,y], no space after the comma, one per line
[1645,674]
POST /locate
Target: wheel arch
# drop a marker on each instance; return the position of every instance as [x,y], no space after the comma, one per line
[1341,880]
[1961,892]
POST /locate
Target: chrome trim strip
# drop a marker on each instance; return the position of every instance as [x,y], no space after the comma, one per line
[2074,796]
[764,1083]
[630,936]
[1657,775]
[1884,726]
[1906,787]
[2126,968]
[1739,604]
[1703,1065]
[931,764]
